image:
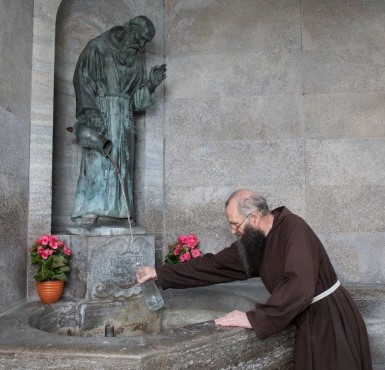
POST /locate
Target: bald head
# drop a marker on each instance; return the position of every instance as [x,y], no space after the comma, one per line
[141,22]
[247,201]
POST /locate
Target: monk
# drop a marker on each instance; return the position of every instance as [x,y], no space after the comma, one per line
[281,248]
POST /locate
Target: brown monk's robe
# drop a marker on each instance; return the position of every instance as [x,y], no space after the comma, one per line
[330,333]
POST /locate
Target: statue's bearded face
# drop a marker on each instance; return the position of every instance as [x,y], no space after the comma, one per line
[135,40]
[141,36]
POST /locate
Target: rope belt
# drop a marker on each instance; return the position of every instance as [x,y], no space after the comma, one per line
[326,292]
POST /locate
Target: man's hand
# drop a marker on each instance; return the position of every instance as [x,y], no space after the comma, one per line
[145,273]
[234,318]
[157,75]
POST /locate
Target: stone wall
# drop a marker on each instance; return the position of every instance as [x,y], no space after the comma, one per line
[283,96]
[15,96]
[286,97]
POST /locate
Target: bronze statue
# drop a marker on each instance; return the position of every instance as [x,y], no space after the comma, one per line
[110,83]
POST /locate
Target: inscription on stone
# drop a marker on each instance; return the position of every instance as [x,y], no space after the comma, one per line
[113,263]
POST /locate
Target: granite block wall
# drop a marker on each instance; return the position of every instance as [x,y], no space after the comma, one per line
[285,97]
[15,95]
[344,121]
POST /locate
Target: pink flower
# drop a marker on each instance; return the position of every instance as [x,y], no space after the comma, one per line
[54,242]
[177,250]
[189,240]
[52,256]
[183,239]
[185,248]
[185,257]
[45,254]
[44,240]
[196,253]
[67,251]
[192,241]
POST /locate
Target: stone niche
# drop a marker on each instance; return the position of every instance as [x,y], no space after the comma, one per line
[76,24]
[61,30]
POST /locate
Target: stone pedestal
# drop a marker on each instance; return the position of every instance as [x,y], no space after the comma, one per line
[112,264]
[105,259]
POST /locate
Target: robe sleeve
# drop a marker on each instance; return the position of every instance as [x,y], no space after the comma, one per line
[296,290]
[88,71]
[142,99]
[209,269]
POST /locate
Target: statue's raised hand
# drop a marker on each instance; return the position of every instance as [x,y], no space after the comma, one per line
[157,75]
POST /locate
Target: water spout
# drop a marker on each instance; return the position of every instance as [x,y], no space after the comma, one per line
[109,331]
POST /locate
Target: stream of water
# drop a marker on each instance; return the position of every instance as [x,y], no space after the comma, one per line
[150,291]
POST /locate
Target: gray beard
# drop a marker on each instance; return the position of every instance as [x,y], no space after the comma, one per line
[126,56]
[251,247]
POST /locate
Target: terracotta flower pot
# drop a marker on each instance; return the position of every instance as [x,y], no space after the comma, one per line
[50,291]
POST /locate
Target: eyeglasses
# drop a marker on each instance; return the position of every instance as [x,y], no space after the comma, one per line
[236,227]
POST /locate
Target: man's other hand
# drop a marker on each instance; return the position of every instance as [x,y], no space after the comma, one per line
[234,318]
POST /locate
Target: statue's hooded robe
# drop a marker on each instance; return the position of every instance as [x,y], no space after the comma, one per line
[103,84]
[331,334]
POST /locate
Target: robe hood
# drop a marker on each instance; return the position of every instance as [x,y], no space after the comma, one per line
[279,214]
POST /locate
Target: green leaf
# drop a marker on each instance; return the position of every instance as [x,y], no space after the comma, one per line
[171,260]
[62,277]
[38,277]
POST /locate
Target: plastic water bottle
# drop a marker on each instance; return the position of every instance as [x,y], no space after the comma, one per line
[151,294]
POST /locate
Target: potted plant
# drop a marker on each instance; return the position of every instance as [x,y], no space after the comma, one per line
[52,256]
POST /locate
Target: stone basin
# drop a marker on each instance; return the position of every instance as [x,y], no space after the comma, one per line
[132,317]
[35,336]
[71,334]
